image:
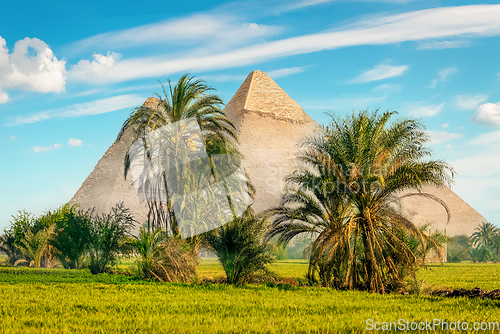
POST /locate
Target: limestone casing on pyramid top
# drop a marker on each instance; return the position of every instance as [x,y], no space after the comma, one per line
[259,94]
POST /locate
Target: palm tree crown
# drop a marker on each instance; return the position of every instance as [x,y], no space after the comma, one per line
[188,100]
[344,196]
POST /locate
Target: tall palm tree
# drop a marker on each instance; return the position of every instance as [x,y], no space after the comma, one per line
[485,235]
[189,98]
[345,195]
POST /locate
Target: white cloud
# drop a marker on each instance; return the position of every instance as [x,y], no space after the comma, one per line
[84,109]
[213,31]
[285,72]
[31,66]
[3,97]
[389,88]
[38,149]
[345,104]
[443,45]
[304,3]
[444,22]
[438,137]
[469,102]
[74,142]
[95,70]
[418,110]
[487,138]
[445,125]
[487,114]
[380,72]
[307,3]
[478,165]
[443,74]
[12,138]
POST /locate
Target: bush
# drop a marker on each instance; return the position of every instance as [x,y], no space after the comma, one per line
[72,236]
[106,237]
[167,259]
[241,248]
[458,248]
[7,245]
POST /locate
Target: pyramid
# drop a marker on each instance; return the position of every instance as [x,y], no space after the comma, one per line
[270,125]
[463,218]
[106,185]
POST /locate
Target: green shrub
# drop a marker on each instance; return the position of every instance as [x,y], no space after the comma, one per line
[241,248]
[72,236]
[107,235]
[167,259]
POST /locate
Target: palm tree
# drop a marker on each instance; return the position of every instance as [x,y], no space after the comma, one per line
[188,99]
[484,235]
[168,259]
[7,245]
[241,248]
[35,245]
[345,194]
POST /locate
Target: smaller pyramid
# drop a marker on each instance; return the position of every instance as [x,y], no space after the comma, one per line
[464,219]
[106,185]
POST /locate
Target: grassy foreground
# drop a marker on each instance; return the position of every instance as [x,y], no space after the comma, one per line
[74,301]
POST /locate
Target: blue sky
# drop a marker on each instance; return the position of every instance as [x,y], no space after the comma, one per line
[70,75]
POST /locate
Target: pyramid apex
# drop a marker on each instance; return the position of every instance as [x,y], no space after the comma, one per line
[151,102]
[259,94]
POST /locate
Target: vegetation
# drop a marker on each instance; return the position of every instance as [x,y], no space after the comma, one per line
[53,300]
[241,248]
[458,248]
[35,245]
[8,246]
[344,196]
[165,258]
[188,99]
[72,236]
[107,235]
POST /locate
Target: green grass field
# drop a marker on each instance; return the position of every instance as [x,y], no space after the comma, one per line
[73,301]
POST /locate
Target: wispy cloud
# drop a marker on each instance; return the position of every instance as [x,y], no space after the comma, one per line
[84,109]
[307,3]
[487,138]
[3,97]
[285,72]
[487,114]
[212,30]
[389,88]
[473,21]
[438,137]
[380,72]
[345,103]
[470,102]
[75,142]
[443,74]
[38,149]
[453,44]
[420,110]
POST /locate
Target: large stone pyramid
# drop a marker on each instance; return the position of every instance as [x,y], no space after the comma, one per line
[270,126]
